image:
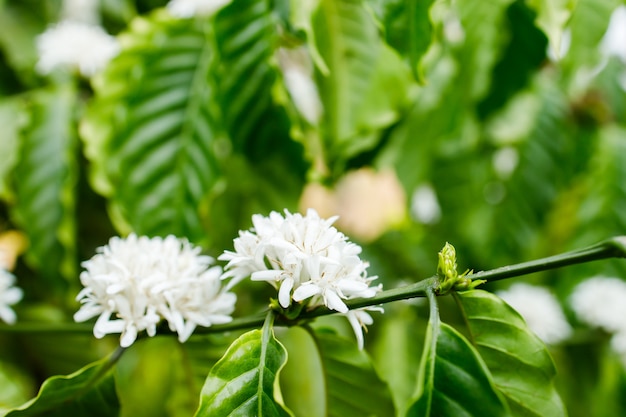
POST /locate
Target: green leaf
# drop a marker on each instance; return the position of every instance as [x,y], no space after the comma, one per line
[150,131]
[12,119]
[453,379]
[353,388]
[46,173]
[520,363]
[348,41]
[242,382]
[409,30]
[484,27]
[16,387]
[87,392]
[456,381]
[524,54]
[588,24]
[302,378]
[394,344]
[246,37]
[552,16]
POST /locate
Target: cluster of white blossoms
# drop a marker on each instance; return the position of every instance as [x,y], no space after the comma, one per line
[541,311]
[601,302]
[132,284]
[307,260]
[76,46]
[190,8]
[9,295]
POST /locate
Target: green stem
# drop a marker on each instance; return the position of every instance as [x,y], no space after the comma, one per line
[610,248]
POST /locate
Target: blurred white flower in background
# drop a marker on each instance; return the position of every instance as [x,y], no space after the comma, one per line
[190,8]
[425,207]
[75,46]
[601,302]
[9,295]
[540,309]
[304,258]
[297,70]
[133,283]
[614,40]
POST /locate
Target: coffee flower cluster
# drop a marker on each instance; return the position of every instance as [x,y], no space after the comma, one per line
[307,260]
[132,284]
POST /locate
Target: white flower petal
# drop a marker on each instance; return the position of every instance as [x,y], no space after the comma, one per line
[284,293]
[333,301]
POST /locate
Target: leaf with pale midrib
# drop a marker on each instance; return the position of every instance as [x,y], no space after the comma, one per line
[87,392]
[45,194]
[242,382]
[149,132]
[520,363]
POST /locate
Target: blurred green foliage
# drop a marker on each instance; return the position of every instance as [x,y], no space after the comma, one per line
[193,128]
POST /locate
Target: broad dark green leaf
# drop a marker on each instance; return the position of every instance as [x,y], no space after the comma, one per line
[453,379]
[87,392]
[246,36]
[353,388]
[150,131]
[44,188]
[520,363]
[242,382]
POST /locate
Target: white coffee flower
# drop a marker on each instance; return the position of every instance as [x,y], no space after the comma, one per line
[75,45]
[601,302]
[9,295]
[540,309]
[190,8]
[305,258]
[132,284]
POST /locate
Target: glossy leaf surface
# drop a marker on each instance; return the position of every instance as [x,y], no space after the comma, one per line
[242,382]
[520,363]
[87,392]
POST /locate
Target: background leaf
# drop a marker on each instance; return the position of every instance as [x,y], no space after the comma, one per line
[348,42]
[246,38]
[408,29]
[151,140]
[521,366]
[242,382]
[302,380]
[352,385]
[89,391]
[44,186]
